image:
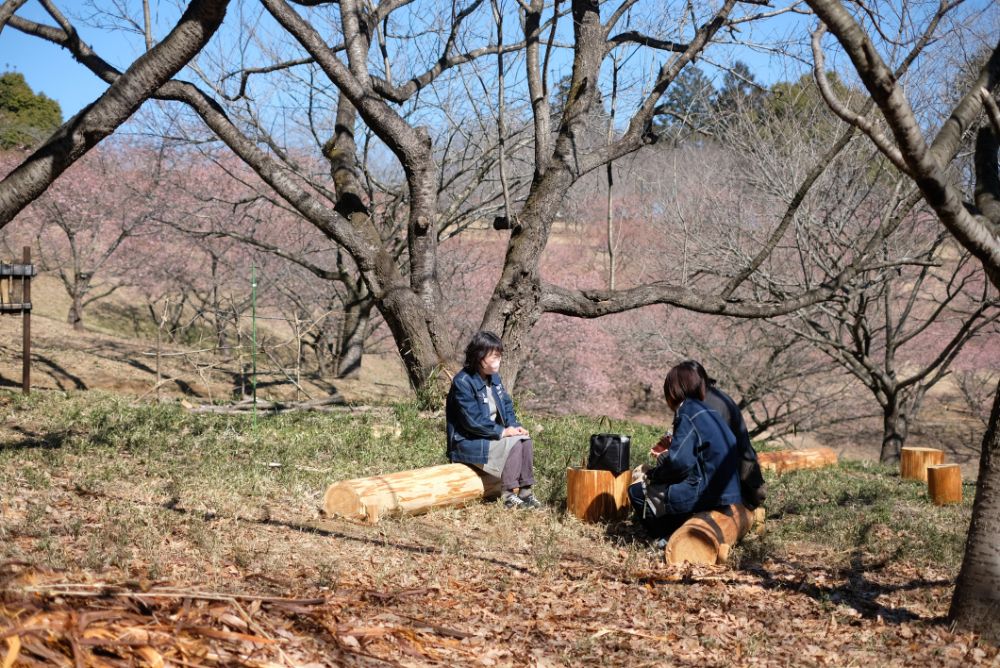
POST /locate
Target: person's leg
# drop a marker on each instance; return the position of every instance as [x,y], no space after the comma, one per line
[637,497]
[526,476]
[511,475]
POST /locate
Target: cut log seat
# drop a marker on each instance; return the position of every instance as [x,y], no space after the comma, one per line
[781,461]
[408,492]
[707,536]
[944,484]
[913,462]
[597,496]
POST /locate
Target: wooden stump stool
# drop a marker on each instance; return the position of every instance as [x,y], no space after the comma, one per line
[944,483]
[597,496]
[782,461]
[913,462]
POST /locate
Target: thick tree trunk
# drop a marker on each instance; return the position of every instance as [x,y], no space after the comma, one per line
[75,316]
[976,603]
[354,327]
[895,428]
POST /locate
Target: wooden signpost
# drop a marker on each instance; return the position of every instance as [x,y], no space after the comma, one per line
[15,297]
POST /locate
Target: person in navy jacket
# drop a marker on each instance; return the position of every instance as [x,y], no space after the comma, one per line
[483,430]
[699,470]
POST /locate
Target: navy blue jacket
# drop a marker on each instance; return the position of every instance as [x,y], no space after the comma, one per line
[700,470]
[470,428]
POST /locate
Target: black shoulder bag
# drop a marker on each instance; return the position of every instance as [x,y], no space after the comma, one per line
[609,452]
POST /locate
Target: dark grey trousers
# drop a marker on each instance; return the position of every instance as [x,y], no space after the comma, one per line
[518,471]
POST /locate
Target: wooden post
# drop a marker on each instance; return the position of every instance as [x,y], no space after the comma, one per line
[26,325]
[707,536]
[944,483]
[913,462]
[408,492]
[781,461]
[597,496]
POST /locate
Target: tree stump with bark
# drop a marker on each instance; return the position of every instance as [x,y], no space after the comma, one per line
[408,492]
[913,462]
[781,461]
[597,496]
[944,483]
[707,537]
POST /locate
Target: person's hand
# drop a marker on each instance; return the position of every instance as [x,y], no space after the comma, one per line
[661,446]
[514,431]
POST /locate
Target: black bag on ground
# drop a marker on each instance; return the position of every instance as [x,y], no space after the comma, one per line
[609,452]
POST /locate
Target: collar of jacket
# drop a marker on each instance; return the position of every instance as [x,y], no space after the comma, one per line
[480,383]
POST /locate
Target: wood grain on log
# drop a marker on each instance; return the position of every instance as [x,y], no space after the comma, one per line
[408,492]
[781,461]
[596,496]
[707,536]
[913,462]
[944,483]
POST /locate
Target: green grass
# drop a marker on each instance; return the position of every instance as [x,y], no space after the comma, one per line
[150,456]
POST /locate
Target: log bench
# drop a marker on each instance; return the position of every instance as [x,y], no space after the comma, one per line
[781,461]
[408,492]
[706,537]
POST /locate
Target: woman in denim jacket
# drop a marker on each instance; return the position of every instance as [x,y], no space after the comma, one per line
[699,470]
[483,430]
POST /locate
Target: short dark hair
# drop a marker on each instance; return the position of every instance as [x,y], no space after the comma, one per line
[701,372]
[481,345]
[683,382]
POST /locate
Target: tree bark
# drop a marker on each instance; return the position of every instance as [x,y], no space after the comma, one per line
[895,428]
[975,605]
[354,329]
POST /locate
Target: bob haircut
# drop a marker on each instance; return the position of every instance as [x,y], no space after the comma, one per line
[481,345]
[701,371]
[683,382]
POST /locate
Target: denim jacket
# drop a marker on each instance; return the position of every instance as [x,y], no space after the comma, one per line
[700,470]
[467,411]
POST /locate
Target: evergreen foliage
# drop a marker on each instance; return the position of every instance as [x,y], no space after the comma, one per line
[26,117]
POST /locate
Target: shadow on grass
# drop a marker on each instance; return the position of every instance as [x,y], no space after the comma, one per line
[33,440]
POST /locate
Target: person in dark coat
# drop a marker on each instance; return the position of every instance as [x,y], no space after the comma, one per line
[699,470]
[483,430]
[751,478]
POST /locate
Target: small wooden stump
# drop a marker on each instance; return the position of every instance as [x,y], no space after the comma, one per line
[408,492]
[781,461]
[944,483]
[913,462]
[707,537]
[597,496]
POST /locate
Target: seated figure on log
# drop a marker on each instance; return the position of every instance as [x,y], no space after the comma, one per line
[752,484]
[698,470]
[483,430]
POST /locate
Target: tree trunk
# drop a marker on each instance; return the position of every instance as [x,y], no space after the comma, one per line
[75,316]
[354,328]
[976,603]
[895,428]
